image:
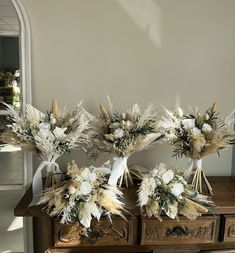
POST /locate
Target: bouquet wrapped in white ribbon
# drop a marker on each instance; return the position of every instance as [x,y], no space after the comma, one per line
[122,134]
[163,191]
[82,195]
[47,135]
[196,135]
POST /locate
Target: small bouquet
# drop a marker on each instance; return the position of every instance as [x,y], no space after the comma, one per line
[10,77]
[83,194]
[47,135]
[162,190]
[122,134]
[196,135]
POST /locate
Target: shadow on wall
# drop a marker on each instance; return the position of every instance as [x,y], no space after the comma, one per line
[146,14]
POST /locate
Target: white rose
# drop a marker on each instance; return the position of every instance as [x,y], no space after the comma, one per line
[118,133]
[188,123]
[167,176]
[176,189]
[86,174]
[195,132]
[92,177]
[206,128]
[59,132]
[85,188]
[44,130]
[44,126]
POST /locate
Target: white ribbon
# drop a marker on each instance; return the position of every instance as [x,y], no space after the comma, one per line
[119,166]
[195,164]
[37,185]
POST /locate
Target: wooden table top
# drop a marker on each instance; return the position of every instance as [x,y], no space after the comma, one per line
[223,189]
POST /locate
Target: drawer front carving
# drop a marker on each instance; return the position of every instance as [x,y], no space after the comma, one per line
[229,228]
[119,232]
[202,230]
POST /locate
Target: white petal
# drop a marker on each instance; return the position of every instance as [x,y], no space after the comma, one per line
[85,188]
[168,176]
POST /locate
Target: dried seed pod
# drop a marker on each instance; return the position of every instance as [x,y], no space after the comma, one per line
[213,107]
[104,112]
[54,108]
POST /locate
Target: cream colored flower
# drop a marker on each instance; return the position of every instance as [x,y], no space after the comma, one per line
[52,120]
[206,128]
[206,116]
[92,177]
[85,188]
[44,130]
[177,189]
[195,132]
[188,123]
[128,124]
[118,133]
[160,170]
[71,190]
[86,174]
[59,132]
[167,176]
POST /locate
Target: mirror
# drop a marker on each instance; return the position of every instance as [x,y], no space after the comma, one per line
[11,164]
[9,71]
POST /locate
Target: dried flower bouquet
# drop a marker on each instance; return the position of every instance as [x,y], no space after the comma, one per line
[122,134]
[47,135]
[83,194]
[164,191]
[196,135]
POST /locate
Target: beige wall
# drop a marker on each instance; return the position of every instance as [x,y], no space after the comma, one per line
[85,49]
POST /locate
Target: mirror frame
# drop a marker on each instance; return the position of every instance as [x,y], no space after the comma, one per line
[25,67]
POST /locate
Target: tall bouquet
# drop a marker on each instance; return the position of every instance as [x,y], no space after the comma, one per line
[47,135]
[122,134]
[163,190]
[82,195]
[196,135]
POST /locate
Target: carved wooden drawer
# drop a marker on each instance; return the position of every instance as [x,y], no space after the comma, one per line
[119,232]
[202,230]
[229,228]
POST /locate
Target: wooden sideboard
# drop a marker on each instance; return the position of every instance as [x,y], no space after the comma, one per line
[213,231]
